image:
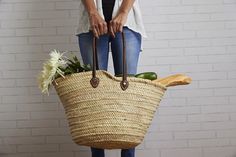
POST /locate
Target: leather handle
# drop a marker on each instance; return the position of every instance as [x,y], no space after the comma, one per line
[95,81]
[124,83]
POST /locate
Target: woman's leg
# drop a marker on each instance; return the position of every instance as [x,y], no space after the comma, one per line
[128,152]
[86,50]
[133,49]
[96,152]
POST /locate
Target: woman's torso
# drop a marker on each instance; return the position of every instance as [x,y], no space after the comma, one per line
[134,19]
[107,6]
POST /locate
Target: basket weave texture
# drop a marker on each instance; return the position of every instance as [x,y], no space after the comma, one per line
[108,117]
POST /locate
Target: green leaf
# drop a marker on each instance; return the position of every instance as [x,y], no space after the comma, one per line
[76,59]
[87,67]
[74,66]
[72,62]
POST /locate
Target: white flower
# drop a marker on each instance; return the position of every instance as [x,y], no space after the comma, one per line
[51,69]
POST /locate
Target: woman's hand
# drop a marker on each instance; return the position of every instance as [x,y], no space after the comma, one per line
[98,24]
[117,23]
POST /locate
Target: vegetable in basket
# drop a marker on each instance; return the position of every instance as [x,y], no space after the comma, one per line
[144,75]
[147,75]
[58,66]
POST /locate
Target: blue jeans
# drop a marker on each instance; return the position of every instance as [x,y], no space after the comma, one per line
[133,49]
[124,152]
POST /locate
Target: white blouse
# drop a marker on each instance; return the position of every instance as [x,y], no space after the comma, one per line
[134,19]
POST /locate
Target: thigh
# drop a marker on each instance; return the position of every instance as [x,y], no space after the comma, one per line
[133,48]
[86,49]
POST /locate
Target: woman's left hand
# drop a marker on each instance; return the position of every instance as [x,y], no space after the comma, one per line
[117,23]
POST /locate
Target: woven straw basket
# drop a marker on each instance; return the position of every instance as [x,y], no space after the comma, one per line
[102,115]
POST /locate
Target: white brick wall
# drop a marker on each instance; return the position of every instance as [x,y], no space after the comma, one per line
[195,37]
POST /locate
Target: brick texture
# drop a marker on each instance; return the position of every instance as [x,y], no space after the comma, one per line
[195,37]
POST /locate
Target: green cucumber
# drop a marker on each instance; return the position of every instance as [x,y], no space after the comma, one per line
[147,75]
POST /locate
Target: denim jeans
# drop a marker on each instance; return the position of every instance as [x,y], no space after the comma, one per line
[133,49]
[124,152]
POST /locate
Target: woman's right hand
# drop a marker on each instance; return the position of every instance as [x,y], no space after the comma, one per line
[98,24]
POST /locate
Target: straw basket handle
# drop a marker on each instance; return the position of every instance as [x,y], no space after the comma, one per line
[95,80]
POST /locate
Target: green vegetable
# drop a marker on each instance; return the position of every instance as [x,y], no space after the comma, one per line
[74,66]
[147,75]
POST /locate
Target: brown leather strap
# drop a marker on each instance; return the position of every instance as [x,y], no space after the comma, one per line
[124,83]
[95,81]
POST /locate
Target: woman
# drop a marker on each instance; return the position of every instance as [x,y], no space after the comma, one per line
[106,19]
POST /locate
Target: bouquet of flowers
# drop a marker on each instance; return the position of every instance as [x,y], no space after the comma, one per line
[58,65]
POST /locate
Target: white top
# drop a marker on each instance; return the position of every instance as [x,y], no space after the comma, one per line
[134,19]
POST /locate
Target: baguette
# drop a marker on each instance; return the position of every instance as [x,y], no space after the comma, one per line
[174,80]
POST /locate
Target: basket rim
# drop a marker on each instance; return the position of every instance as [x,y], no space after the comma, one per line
[118,79]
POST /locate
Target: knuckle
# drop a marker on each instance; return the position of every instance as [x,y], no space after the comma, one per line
[100,23]
[94,26]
